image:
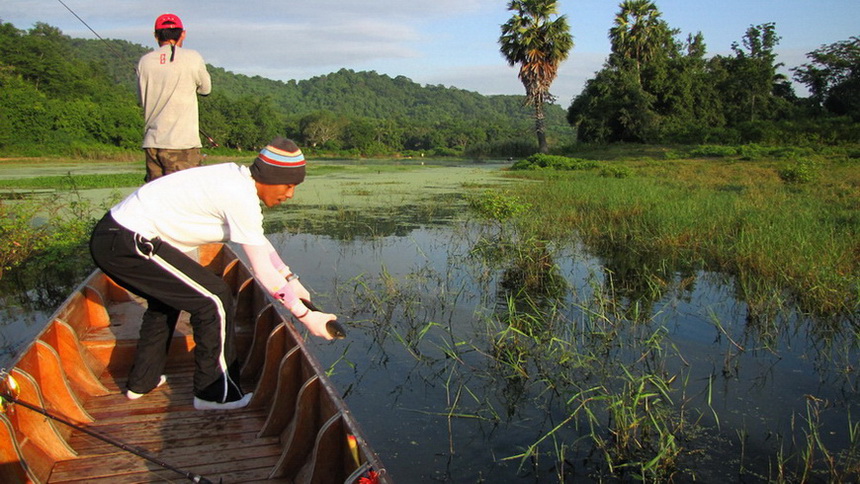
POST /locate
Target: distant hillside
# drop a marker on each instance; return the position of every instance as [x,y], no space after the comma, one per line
[356,112]
[345,92]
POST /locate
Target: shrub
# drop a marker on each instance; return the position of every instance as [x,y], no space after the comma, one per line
[615,171]
[20,237]
[714,151]
[554,162]
[752,151]
[497,206]
[801,171]
[447,152]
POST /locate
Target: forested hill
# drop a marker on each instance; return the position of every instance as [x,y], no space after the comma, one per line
[345,92]
[357,112]
[378,96]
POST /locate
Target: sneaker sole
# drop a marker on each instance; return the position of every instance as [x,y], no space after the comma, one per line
[200,404]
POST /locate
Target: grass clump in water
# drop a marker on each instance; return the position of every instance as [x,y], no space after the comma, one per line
[737,218]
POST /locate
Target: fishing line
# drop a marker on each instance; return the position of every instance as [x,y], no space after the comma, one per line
[91,30]
[119,55]
[6,396]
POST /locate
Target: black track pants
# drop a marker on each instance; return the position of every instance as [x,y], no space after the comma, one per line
[171,281]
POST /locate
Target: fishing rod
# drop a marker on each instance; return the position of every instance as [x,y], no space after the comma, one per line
[10,386]
[121,57]
[214,144]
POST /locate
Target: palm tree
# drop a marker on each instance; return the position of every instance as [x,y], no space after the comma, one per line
[638,33]
[539,45]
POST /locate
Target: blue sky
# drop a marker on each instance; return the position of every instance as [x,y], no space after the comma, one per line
[444,42]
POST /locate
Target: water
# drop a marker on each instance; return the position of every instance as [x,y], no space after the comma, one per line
[441,397]
[438,408]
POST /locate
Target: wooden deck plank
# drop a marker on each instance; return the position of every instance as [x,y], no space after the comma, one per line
[130,468]
[165,425]
[167,434]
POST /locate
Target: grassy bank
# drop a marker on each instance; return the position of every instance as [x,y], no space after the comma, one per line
[787,228]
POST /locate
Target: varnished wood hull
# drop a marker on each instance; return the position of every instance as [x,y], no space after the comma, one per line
[296,428]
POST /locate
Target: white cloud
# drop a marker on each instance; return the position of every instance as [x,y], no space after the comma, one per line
[282,44]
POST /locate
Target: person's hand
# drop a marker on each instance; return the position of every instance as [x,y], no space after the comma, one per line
[316,321]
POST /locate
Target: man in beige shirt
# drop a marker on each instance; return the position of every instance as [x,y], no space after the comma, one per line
[169,80]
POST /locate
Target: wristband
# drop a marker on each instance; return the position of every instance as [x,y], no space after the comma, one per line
[300,306]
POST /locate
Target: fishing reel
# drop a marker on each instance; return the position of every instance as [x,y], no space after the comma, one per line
[9,390]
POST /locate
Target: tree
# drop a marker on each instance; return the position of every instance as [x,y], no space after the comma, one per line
[539,44]
[637,88]
[321,127]
[638,34]
[833,77]
[750,80]
[613,107]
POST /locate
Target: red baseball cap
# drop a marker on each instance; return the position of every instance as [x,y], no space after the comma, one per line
[168,21]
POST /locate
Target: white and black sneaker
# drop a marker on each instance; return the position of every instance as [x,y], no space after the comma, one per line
[134,395]
[223,394]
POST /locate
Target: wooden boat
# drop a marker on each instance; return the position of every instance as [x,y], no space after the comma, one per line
[65,418]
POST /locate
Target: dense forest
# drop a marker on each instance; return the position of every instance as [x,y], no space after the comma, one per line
[77,96]
[61,94]
[657,87]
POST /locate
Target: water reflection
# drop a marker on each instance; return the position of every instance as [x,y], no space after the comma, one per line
[30,294]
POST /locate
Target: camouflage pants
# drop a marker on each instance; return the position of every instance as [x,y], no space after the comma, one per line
[161,162]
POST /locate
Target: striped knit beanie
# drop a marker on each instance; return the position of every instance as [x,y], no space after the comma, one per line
[279,163]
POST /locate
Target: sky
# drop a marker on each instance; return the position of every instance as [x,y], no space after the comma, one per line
[453,43]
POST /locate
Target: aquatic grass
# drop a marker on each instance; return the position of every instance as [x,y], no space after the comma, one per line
[629,418]
[605,360]
[796,240]
[496,207]
[597,358]
[805,457]
[79,182]
[43,233]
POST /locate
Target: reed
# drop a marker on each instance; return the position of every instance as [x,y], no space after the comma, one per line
[779,239]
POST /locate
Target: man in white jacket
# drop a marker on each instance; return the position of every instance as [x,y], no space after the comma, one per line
[142,244]
[169,80]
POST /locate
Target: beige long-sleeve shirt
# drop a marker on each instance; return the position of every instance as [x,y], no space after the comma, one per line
[168,93]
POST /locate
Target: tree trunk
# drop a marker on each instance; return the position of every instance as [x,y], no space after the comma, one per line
[540,128]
